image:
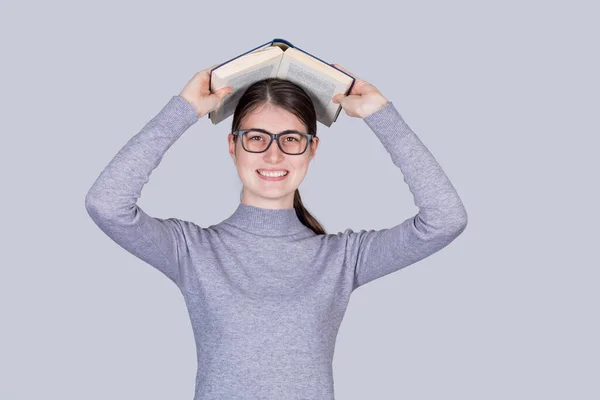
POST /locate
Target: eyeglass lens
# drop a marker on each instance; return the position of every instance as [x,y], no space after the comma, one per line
[291,143]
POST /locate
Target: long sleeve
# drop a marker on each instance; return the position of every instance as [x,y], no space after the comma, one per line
[441,216]
[111,201]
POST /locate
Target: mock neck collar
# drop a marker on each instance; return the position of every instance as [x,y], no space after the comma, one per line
[266,221]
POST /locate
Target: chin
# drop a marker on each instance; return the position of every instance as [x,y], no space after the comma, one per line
[272,193]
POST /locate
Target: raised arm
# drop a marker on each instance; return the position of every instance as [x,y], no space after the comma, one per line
[441,217]
[112,200]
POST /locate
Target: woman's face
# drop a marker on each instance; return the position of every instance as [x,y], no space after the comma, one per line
[257,191]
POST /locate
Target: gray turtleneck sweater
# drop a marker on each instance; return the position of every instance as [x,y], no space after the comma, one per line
[265,294]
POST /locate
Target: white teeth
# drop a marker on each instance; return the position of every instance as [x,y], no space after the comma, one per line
[272,174]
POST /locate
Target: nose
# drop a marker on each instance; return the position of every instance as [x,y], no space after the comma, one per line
[273,154]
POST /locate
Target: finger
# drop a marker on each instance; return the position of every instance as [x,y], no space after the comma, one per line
[355,91]
[215,100]
[339,98]
[224,91]
[351,104]
[345,70]
[207,72]
[357,88]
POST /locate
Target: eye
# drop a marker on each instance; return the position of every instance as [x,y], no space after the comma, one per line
[259,137]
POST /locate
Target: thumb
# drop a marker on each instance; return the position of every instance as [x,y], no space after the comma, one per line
[337,98]
[351,103]
[218,95]
[224,92]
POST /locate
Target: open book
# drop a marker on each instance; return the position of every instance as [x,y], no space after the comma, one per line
[279,58]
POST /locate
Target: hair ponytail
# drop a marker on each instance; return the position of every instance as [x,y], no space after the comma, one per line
[305,217]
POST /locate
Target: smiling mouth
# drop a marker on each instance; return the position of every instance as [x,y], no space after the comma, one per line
[272,177]
[270,173]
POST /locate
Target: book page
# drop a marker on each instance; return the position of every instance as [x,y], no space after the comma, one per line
[320,84]
[240,82]
[249,60]
[321,88]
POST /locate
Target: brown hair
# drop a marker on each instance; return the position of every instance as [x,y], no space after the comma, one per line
[291,97]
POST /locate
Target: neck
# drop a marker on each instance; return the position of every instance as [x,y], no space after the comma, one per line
[250,198]
[266,221]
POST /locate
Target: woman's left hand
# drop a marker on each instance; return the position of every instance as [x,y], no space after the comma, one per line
[363,100]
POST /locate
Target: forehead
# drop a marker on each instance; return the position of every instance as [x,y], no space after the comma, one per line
[273,119]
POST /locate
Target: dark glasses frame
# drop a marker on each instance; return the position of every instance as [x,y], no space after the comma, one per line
[274,136]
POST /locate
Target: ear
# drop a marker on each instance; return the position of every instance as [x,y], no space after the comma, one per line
[231,144]
[313,145]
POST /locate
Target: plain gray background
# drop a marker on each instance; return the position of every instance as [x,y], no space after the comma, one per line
[504,95]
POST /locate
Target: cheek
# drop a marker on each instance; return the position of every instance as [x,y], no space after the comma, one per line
[246,166]
[301,165]
[243,161]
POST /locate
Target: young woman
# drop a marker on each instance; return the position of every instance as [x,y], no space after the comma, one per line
[267,288]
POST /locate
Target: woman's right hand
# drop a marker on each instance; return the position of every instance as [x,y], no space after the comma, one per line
[198,94]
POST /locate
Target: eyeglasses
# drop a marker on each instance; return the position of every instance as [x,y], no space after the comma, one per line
[259,140]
